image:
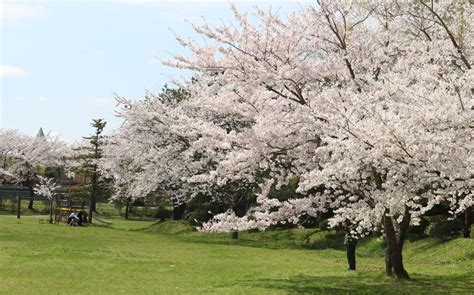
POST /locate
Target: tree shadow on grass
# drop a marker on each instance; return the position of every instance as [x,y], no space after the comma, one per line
[269,241]
[356,283]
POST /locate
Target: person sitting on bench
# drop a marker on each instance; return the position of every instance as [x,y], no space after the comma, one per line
[72,218]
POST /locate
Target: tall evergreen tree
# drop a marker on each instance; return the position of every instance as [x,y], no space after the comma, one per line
[89,156]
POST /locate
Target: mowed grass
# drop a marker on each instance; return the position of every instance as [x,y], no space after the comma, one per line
[139,257]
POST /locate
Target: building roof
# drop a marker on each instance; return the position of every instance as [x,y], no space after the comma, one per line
[40,133]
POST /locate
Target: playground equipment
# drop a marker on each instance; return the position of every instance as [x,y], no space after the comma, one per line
[61,207]
[65,206]
[100,219]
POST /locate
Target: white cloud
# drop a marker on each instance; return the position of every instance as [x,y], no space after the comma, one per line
[104,101]
[14,13]
[7,71]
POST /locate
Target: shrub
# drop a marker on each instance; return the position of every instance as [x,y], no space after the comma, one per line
[442,227]
[421,229]
[198,217]
[324,224]
[163,213]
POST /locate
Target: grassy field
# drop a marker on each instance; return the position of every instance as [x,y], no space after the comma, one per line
[139,257]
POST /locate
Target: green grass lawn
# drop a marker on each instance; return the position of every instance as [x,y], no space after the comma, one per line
[167,258]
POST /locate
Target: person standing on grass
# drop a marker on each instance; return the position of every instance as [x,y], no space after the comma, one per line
[351,244]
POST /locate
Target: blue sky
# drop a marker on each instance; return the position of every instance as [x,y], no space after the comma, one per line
[62,61]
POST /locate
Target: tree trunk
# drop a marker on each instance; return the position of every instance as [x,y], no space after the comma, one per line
[394,258]
[91,208]
[178,211]
[56,218]
[235,235]
[182,210]
[467,223]
[51,211]
[397,262]
[30,205]
[18,208]
[126,210]
[94,204]
[388,263]
[94,190]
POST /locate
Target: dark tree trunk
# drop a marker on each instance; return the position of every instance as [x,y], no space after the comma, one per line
[91,208]
[394,258]
[51,211]
[94,190]
[56,219]
[94,204]
[160,213]
[388,263]
[126,209]
[30,204]
[18,208]
[397,262]
[466,232]
[178,211]
[175,213]
[29,184]
[182,210]
[235,235]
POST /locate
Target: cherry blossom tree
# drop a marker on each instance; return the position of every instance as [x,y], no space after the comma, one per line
[148,152]
[22,154]
[167,146]
[47,188]
[369,104]
[24,157]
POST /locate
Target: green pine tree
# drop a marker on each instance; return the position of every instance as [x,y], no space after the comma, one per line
[89,157]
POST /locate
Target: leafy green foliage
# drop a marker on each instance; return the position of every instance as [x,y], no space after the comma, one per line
[88,155]
[173,95]
[443,227]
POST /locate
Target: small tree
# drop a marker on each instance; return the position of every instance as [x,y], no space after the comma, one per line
[47,188]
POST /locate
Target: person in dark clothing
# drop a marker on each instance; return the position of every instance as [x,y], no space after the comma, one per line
[351,244]
[80,215]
